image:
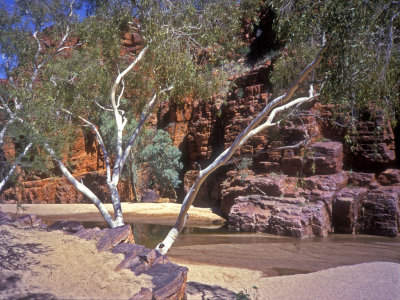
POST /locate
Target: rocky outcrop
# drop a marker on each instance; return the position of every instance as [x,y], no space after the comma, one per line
[169,279]
[323,199]
[380,212]
[337,178]
[59,190]
[293,217]
[346,207]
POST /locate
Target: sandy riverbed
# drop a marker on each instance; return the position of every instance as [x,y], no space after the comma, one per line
[162,213]
[51,265]
[38,264]
[368,281]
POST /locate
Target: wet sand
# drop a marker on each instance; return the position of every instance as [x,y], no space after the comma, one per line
[277,255]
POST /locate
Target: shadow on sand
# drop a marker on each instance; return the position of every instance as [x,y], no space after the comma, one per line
[196,290]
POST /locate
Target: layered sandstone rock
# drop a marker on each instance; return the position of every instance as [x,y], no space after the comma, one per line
[85,159]
[293,217]
[380,212]
[59,190]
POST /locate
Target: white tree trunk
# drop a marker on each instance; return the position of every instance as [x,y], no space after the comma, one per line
[121,155]
[81,187]
[16,163]
[270,110]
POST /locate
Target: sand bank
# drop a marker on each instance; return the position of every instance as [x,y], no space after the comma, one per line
[368,281]
[38,264]
[163,213]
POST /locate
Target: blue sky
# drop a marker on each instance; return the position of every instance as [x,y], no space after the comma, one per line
[10,4]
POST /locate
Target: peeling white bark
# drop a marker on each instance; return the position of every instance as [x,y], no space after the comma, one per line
[81,187]
[3,131]
[121,155]
[272,108]
[16,163]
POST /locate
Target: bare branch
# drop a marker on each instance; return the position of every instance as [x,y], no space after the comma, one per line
[121,75]
[272,115]
[227,154]
[120,95]
[69,47]
[118,118]
[35,60]
[3,130]
[143,118]
[99,141]
[16,163]
[81,187]
[6,107]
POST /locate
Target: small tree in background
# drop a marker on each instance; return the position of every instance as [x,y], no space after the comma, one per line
[163,160]
[66,73]
[153,151]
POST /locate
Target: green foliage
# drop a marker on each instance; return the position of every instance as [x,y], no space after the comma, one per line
[243,167]
[153,151]
[360,69]
[163,160]
[188,45]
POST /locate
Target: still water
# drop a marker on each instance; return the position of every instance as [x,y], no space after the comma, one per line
[273,255]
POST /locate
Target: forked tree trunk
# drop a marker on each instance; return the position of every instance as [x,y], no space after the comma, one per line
[121,154]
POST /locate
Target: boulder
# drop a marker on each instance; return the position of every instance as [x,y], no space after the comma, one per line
[114,236]
[362,179]
[267,185]
[169,280]
[325,158]
[292,165]
[380,212]
[332,182]
[346,206]
[390,177]
[293,217]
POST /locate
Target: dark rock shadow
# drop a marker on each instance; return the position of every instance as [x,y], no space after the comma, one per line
[10,289]
[16,256]
[35,296]
[208,292]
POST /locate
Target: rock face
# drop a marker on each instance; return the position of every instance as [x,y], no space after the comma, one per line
[380,212]
[88,167]
[299,190]
[59,190]
[293,217]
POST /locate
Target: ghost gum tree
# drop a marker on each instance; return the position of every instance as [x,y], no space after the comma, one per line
[64,73]
[343,52]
